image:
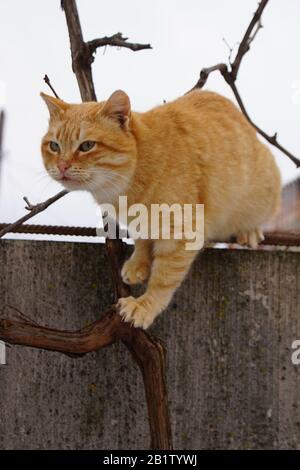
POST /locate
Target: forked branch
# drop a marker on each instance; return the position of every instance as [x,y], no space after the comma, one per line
[83,52]
[146,351]
[33,210]
[230,73]
[254,26]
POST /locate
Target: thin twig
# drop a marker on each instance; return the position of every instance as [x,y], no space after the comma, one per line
[34,210]
[230,49]
[116,40]
[48,82]
[258,27]
[272,139]
[244,47]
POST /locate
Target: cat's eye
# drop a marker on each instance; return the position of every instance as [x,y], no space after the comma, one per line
[54,147]
[86,146]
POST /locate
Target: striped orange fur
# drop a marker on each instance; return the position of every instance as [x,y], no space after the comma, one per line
[196,149]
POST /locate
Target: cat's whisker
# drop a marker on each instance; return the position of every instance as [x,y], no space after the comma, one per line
[113,183]
[88,183]
[115,177]
[107,173]
[96,171]
[106,178]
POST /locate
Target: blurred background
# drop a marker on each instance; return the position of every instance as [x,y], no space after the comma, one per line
[185,37]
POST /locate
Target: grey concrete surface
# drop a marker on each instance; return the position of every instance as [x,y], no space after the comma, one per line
[228,333]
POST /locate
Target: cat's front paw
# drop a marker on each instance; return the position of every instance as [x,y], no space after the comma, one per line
[139,312]
[251,238]
[135,271]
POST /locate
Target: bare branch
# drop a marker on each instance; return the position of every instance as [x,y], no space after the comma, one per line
[34,210]
[101,333]
[258,27]
[230,49]
[83,52]
[83,71]
[230,76]
[47,81]
[116,40]
[81,56]
[272,139]
[37,208]
[205,72]
[249,36]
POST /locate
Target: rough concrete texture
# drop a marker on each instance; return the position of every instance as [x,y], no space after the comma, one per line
[228,333]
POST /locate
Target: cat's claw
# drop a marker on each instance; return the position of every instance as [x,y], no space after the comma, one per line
[251,238]
[138,311]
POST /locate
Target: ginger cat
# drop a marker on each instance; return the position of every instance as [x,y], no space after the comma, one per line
[197,149]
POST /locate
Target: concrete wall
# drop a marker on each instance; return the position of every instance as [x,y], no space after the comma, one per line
[228,333]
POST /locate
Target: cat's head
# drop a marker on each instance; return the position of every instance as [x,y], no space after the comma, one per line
[90,145]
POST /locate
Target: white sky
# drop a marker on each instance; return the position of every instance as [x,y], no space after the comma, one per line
[185,35]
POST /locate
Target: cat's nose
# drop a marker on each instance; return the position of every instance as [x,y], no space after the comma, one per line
[63,166]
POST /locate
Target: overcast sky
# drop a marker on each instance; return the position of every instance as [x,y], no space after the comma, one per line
[185,35]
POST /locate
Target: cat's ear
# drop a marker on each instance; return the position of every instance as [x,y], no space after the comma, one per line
[55,106]
[117,107]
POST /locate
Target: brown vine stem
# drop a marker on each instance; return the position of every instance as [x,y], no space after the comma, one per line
[151,360]
[147,352]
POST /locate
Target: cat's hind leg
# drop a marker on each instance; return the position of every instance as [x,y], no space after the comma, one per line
[137,268]
[250,238]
